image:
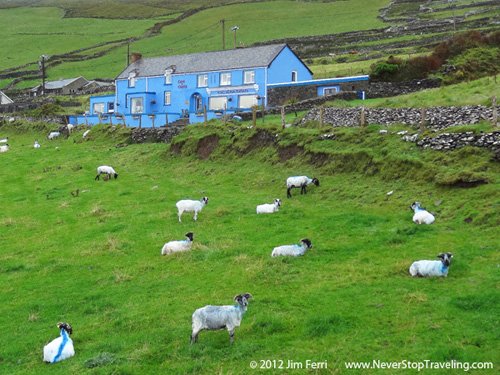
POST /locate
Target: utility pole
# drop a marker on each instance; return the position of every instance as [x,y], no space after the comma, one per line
[222,21]
[128,52]
[234,29]
[42,67]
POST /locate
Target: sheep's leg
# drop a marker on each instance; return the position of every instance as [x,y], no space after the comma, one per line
[288,194]
[194,337]
[97,177]
[231,335]
[303,189]
[180,214]
[195,217]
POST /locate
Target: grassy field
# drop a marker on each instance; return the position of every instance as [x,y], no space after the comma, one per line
[94,260]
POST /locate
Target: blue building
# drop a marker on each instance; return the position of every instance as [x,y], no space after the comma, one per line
[158,91]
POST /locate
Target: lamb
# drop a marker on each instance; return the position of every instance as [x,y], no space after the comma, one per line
[5,140]
[421,216]
[53,135]
[104,169]
[292,250]
[178,246]
[429,268]
[60,348]
[4,148]
[37,145]
[85,133]
[269,208]
[188,205]
[220,317]
[299,182]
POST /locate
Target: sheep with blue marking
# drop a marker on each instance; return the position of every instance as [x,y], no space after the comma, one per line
[60,348]
[220,317]
[269,208]
[292,250]
[299,182]
[421,216]
[106,170]
[188,205]
[178,246]
[432,268]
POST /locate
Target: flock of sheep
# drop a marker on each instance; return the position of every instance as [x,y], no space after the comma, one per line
[229,316]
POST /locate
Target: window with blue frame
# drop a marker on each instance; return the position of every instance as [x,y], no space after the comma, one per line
[249,76]
[98,108]
[168,96]
[137,105]
[203,80]
[225,79]
[294,76]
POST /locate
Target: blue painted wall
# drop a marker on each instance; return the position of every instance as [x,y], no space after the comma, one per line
[282,66]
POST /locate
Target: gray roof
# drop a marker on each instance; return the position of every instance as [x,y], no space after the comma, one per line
[239,58]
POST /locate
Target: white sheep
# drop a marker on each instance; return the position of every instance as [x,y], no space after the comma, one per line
[60,348]
[4,140]
[53,135]
[429,268]
[104,169]
[269,208]
[421,216]
[178,246]
[188,205]
[292,250]
[4,148]
[70,127]
[299,182]
[37,145]
[85,133]
[220,317]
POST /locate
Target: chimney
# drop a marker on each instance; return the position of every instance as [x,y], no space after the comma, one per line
[134,56]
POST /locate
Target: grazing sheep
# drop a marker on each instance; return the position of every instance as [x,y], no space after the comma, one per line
[53,135]
[292,250]
[177,246]
[269,208]
[4,148]
[37,145]
[85,133]
[299,182]
[220,317]
[188,205]
[60,348]
[421,216]
[429,268]
[70,127]
[104,169]
[5,140]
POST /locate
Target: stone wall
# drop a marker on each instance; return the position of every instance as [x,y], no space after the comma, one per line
[437,118]
[155,135]
[387,89]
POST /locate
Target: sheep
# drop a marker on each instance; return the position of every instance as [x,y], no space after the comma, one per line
[4,148]
[269,208]
[299,182]
[220,317]
[104,169]
[60,348]
[292,250]
[37,145]
[70,127]
[5,140]
[188,205]
[53,135]
[85,133]
[178,246]
[421,216]
[431,268]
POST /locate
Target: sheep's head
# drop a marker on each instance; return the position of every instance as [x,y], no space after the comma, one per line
[190,236]
[307,242]
[116,176]
[278,202]
[414,206]
[445,258]
[242,299]
[66,327]
[204,200]
[315,181]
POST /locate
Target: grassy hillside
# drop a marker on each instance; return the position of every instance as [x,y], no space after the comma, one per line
[94,260]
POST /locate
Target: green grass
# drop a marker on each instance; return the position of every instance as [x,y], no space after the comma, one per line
[478,92]
[94,260]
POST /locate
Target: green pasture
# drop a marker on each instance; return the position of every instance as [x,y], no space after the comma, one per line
[94,260]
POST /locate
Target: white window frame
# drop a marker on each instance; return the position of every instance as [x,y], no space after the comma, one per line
[100,105]
[255,101]
[217,106]
[331,90]
[167,98]
[168,76]
[225,79]
[202,80]
[248,77]
[295,76]
[136,108]
[131,79]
